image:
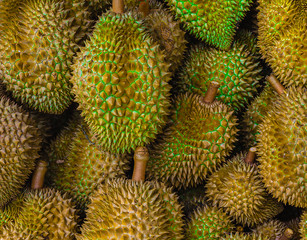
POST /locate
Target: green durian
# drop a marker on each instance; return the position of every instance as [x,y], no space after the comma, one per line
[272,229]
[237,188]
[303,225]
[208,223]
[211,21]
[282,148]
[197,139]
[121,83]
[124,209]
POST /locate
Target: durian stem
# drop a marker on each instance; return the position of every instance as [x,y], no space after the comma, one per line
[275,84]
[287,235]
[250,157]
[39,175]
[118,6]
[211,92]
[141,157]
[144,8]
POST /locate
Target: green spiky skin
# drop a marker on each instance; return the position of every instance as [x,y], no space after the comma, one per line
[36,52]
[237,188]
[122,92]
[45,214]
[303,225]
[84,165]
[237,71]
[282,39]
[213,22]
[124,209]
[272,229]
[199,137]
[208,223]
[20,142]
[282,148]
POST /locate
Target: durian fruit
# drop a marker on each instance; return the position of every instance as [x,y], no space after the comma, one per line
[36,53]
[243,236]
[272,229]
[201,133]
[84,165]
[237,70]
[20,143]
[121,83]
[237,187]
[282,148]
[211,21]
[293,224]
[208,223]
[42,214]
[133,209]
[282,39]
[303,225]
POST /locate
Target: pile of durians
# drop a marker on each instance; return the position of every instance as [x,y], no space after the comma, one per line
[153,120]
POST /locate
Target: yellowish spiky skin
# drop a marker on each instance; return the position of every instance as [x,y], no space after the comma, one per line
[293,224]
[282,148]
[198,138]
[45,214]
[208,223]
[303,225]
[243,236]
[237,188]
[123,209]
[282,39]
[272,229]
[20,142]
[122,91]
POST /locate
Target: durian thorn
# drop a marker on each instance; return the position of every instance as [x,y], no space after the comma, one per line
[118,6]
[287,235]
[275,84]
[39,175]
[141,157]
[144,8]
[211,92]
[250,157]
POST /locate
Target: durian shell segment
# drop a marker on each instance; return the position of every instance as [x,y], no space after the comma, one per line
[45,214]
[124,209]
[293,224]
[282,39]
[198,138]
[121,83]
[84,165]
[282,148]
[303,225]
[243,236]
[237,70]
[272,229]
[211,21]
[208,223]
[20,143]
[237,187]
[36,53]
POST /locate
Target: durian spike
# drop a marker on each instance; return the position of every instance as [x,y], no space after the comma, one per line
[118,6]
[141,157]
[144,7]
[250,157]
[275,84]
[287,235]
[211,92]
[39,175]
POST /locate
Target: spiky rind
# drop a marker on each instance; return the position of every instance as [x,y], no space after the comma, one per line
[237,188]
[282,148]
[124,209]
[243,236]
[303,225]
[272,229]
[198,138]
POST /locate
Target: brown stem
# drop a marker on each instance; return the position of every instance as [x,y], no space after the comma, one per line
[141,157]
[288,233]
[39,175]
[250,157]
[118,6]
[144,8]
[211,92]
[275,84]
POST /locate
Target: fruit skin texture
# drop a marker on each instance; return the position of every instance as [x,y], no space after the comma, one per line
[20,142]
[282,148]
[238,71]
[196,140]
[237,188]
[212,21]
[243,236]
[282,39]
[125,209]
[122,91]
[272,229]
[208,223]
[45,214]
[36,52]
[303,225]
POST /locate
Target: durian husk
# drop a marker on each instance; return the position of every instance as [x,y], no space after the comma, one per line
[272,229]
[243,236]
[303,225]
[293,224]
